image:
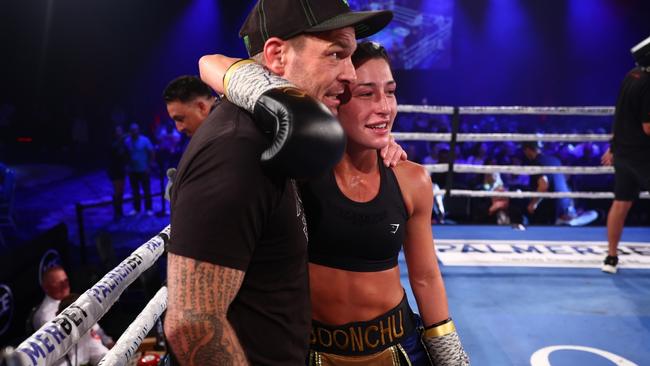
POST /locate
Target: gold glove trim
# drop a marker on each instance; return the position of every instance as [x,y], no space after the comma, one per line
[441,330]
[231,70]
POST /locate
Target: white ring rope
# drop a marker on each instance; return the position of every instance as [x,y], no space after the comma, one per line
[528,170]
[427,109]
[436,168]
[513,169]
[423,136]
[520,194]
[518,169]
[130,340]
[475,137]
[532,170]
[55,338]
[557,111]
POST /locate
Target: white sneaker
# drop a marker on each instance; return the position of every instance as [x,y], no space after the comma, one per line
[149,213]
[132,213]
[610,265]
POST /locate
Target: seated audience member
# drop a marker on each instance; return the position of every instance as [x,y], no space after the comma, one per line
[498,210]
[57,287]
[89,350]
[554,210]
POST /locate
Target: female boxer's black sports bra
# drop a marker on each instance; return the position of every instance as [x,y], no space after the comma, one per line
[354,236]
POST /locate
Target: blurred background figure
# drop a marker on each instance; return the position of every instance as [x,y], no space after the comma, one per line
[499,206]
[56,286]
[555,210]
[117,170]
[140,155]
[189,101]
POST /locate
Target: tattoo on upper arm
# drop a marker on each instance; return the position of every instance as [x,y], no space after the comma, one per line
[199,296]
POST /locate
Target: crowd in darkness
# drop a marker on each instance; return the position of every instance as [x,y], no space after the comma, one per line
[133,155]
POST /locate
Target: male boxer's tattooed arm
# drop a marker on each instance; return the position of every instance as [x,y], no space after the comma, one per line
[195,325]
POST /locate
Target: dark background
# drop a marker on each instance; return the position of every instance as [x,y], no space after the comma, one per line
[108,61]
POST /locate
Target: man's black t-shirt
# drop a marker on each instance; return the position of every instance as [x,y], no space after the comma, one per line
[632,110]
[228,211]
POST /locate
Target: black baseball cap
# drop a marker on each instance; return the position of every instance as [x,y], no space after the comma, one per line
[641,52]
[288,18]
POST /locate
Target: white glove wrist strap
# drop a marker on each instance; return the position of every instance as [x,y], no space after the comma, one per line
[245,81]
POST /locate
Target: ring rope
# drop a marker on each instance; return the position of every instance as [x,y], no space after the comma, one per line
[436,168]
[520,194]
[519,170]
[427,109]
[557,111]
[580,111]
[55,338]
[532,170]
[130,340]
[475,137]
[424,136]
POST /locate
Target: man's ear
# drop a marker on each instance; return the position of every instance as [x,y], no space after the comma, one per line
[275,55]
[204,107]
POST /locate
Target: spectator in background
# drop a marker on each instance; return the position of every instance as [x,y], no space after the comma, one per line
[189,101]
[555,210]
[56,286]
[587,153]
[479,154]
[117,170]
[498,211]
[140,155]
[168,146]
[514,181]
[440,179]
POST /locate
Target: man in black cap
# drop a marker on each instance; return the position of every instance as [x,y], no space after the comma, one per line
[630,148]
[237,267]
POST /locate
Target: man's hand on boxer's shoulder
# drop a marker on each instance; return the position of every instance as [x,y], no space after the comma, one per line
[393,153]
[608,158]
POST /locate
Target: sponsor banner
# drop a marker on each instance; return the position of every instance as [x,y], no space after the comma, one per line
[539,253]
[6,308]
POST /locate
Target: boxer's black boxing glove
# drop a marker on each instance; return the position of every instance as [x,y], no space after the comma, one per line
[306,139]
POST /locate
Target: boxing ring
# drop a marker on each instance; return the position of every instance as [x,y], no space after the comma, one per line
[497,278]
[537,297]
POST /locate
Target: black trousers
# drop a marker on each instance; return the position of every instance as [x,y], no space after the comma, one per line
[137,180]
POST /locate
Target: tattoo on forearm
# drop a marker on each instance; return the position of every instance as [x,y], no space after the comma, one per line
[199,296]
